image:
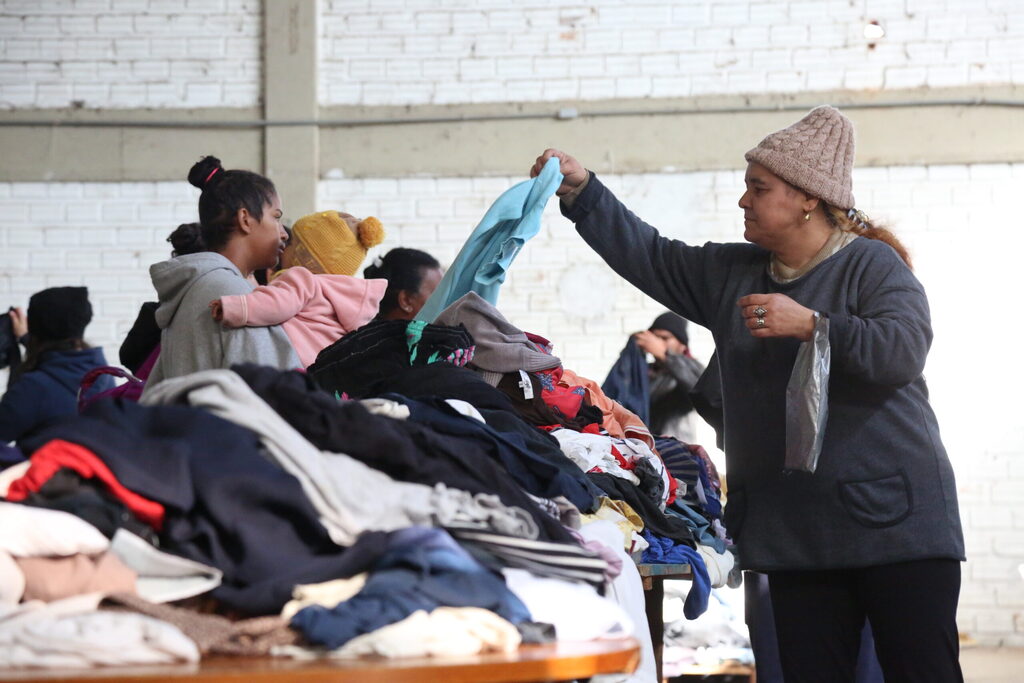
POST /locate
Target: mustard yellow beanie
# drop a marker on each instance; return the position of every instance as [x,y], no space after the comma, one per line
[333,243]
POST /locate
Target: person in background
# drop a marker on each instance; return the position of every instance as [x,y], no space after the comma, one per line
[412,277]
[673,375]
[45,386]
[874,531]
[314,296]
[239,231]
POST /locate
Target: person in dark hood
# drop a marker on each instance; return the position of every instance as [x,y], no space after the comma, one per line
[673,374]
[45,386]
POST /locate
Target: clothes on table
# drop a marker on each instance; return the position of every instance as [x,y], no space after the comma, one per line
[420,569]
[212,633]
[442,632]
[71,634]
[666,551]
[500,346]
[163,454]
[654,519]
[54,578]
[353,364]
[349,496]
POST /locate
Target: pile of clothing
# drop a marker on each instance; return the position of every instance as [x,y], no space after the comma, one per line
[425,489]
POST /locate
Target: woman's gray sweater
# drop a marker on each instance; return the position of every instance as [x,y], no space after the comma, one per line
[883,491]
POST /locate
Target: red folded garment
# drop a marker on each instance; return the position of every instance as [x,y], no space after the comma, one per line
[57,454]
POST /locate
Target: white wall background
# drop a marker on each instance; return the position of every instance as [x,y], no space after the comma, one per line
[425,51]
[961,222]
[118,54]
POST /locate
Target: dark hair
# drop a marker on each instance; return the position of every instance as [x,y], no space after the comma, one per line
[187,238]
[35,348]
[224,193]
[403,269]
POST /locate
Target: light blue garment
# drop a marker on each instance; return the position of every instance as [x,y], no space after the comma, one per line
[488,253]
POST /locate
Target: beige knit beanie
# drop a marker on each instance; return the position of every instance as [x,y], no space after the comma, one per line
[814,154]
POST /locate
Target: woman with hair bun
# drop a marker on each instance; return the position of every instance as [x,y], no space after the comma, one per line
[412,277]
[239,231]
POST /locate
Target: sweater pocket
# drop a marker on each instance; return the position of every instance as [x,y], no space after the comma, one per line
[877,503]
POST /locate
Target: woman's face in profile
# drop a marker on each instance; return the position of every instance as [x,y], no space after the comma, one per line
[412,302]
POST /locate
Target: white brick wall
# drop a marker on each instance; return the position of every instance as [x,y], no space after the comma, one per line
[953,219]
[102,235]
[419,51]
[129,53]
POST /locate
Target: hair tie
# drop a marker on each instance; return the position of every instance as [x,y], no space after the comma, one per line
[857,217]
[378,261]
[212,173]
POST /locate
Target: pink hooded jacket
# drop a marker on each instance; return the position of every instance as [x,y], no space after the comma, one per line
[315,310]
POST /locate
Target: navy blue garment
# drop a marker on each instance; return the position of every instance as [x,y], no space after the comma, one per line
[225,504]
[628,381]
[543,477]
[9,455]
[666,551]
[420,569]
[700,524]
[48,393]
[402,449]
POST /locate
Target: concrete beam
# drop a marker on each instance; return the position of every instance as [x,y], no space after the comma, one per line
[305,143]
[291,153]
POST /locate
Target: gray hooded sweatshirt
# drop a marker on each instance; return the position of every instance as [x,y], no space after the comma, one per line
[191,339]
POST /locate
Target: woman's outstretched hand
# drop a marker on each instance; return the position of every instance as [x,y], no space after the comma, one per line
[573,173]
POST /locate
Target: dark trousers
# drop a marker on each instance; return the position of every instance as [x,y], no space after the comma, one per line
[911,607]
[761,624]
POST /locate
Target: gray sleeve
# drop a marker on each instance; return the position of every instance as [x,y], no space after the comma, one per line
[222,347]
[686,369]
[886,340]
[677,275]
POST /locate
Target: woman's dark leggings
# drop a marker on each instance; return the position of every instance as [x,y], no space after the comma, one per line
[911,607]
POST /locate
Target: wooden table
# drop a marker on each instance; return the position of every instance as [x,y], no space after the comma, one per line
[530,664]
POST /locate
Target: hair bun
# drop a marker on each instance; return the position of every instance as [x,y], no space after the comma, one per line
[371,232]
[204,171]
[187,239]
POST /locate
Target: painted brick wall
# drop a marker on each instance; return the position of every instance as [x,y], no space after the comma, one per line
[422,51]
[129,53]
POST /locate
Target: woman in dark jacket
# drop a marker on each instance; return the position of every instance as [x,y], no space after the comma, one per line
[45,386]
[874,531]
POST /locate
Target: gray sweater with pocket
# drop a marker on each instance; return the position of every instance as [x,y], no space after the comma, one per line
[884,490]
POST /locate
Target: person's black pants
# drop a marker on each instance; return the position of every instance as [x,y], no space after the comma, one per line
[911,607]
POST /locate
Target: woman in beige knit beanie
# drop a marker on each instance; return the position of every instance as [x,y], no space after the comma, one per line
[872,531]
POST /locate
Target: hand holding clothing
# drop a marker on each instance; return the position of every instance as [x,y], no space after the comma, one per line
[573,172]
